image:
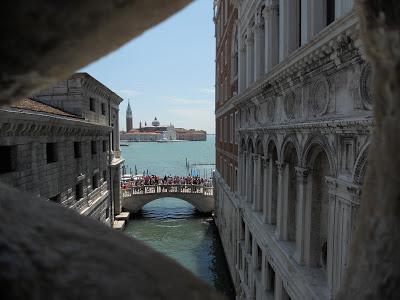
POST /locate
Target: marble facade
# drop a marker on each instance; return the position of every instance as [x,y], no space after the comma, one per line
[302,130]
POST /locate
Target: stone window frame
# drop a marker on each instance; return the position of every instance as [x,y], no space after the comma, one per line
[93,147]
[92,104]
[104,145]
[51,152]
[9,163]
[79,190]
[77,149]
[56,198]
[95,180]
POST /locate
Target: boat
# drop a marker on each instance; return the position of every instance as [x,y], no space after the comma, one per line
[163,139]
[123,145]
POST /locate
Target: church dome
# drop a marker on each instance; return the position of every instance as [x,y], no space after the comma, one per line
[155,122]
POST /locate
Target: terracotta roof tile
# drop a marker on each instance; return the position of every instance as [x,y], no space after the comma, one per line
[32,105]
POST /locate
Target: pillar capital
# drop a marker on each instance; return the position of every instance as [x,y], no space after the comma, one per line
[273,8]
[265,161]
[302,171]
[280,166]
[332,185]
[249,35]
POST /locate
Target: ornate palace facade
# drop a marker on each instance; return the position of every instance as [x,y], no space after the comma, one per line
[300,123]
[63,145]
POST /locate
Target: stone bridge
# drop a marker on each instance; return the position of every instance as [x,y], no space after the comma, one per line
[201,197]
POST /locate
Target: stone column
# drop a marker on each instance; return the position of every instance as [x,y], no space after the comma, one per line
[244,174]
[248,170]
[116,130]
[257,182]
[239,175]
[250,55]
[273,35]
[246,240]
[280,293]
[267,33]
[270,191]
[259,44]
[331,268]
[242,68]
[265,189]
[302,213]
[281,195]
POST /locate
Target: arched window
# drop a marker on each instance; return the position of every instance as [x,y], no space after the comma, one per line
[235,61]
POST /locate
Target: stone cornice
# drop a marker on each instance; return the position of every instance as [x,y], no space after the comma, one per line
[363,123]
[14,124]
[341,35]
[96,87]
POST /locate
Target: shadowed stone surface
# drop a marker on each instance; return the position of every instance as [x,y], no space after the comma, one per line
[47,252]
[45,41]
[374,270]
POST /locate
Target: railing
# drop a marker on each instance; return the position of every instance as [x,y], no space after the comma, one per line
[168,188]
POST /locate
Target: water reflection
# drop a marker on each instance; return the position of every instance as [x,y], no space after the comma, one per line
[176,229]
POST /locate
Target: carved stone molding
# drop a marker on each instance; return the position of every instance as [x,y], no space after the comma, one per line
[290,104]
[270,110]
[360,168]
[320,96]
[33,128]
[366,87]
[302,172]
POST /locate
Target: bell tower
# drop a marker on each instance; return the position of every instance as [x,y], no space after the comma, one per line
[129,120]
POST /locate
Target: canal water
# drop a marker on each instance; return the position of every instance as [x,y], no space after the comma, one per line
[172,226]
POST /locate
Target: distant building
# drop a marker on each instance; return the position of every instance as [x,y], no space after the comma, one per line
[63,144]
[190,134]
[129,120]
[157,132]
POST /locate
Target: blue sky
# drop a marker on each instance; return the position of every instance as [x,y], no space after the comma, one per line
[166,72]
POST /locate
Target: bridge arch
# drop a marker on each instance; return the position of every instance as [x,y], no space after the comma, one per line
[201,198]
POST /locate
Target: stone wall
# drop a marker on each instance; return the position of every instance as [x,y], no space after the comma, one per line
[303,132]
[28,135]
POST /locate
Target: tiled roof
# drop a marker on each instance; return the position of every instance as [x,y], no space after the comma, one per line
[32,105]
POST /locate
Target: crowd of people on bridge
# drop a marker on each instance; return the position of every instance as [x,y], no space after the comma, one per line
[151,180]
